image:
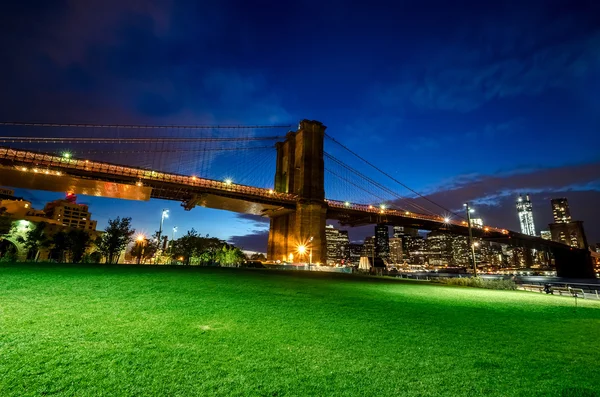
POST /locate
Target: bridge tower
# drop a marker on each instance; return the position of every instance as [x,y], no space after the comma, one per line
[300,170]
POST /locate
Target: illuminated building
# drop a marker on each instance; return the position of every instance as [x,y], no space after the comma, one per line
[355,251]
[560,210]
[525,212]
[477,222]
[369,247]
[564,229]
[546,235]
[401,231]
[382,241]
[337,245]
[396,254]
[70,214]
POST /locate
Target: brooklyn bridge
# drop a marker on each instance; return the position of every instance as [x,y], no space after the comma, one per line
[231,168]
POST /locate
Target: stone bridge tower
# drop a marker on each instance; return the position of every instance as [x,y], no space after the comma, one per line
[300,171]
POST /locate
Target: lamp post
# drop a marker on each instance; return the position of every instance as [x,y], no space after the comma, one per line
[165,214]
[174,231]
[141,240]
[471,244]
[310,252]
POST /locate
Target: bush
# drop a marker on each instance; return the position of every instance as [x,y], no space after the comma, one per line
[478,282]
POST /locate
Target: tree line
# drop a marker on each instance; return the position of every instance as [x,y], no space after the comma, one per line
[71,245]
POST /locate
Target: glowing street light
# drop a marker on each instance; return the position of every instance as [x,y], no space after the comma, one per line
[446,220]
[228,181]
[174,231]
[469,210]
[141,240]
[347,203]
[66,155]
[302,249]
[382,206]
[165,214]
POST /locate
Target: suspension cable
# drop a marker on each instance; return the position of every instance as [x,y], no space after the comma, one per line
[377,184]
[391,177]
[133,126]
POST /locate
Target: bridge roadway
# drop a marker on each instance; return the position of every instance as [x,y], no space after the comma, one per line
[43,171]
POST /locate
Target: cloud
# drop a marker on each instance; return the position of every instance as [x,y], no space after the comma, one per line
[466,75]
[495,195]
[488,131]
[256,241]
[259,221]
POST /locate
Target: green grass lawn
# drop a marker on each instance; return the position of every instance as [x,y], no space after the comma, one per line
[139,331]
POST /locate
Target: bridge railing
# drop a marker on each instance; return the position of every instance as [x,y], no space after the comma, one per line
[407,214]
[40,163]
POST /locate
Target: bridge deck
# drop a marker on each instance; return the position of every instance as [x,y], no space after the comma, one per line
[231,196]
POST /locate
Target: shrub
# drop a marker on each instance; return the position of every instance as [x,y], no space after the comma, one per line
[478,282]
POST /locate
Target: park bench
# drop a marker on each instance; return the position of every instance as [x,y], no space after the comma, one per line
[532,287]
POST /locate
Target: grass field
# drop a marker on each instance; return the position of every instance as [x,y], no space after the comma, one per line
[143,331]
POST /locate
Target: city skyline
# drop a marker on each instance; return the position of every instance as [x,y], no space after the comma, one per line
[403,88]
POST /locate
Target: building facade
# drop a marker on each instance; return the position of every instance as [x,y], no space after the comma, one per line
[525,212]
[396,251]
[546,235]
[369,247]
[382,241]
[560,210]
[355,251]
[67,212]
[337,245]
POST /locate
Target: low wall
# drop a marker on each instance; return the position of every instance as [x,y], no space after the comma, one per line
[313,268]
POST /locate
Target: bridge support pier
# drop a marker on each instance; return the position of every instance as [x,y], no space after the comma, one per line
[573,263]
[300,170]
[304,227]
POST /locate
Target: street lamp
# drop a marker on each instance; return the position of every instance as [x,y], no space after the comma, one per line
[141,240]
[174,231]
[310,252]
[471,244]
[165,214]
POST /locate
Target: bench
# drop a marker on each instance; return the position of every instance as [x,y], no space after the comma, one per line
[532,287]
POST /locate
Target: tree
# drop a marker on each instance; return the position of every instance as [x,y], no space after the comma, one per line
[194,249]
[5,222]
[229,255]
[59,245]
[115,238]
[78,242]
[143,249]
[258,257]
[184,247]
[36,238]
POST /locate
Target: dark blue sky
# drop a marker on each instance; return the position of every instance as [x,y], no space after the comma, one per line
[460,100]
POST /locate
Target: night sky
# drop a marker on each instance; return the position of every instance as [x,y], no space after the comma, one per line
[475,101]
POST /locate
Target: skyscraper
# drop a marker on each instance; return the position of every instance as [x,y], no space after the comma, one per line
[396,250]
[369,247]
[560,210]
[525,211]
[546,235]
[564,229]
[337,245]
[382,241]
